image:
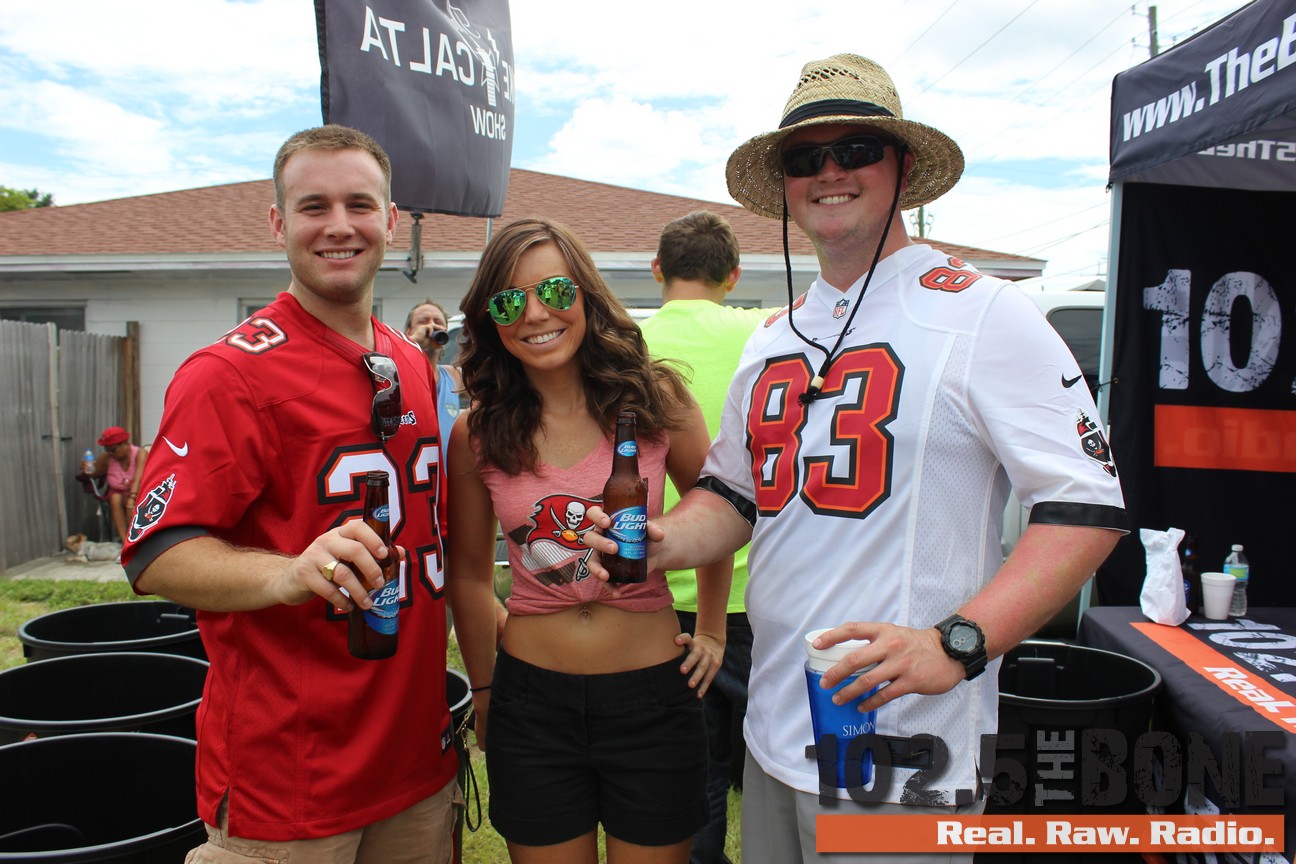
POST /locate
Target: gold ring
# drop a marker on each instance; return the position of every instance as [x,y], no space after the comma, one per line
[328,570]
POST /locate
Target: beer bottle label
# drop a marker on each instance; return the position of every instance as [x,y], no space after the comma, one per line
[627,448]
[386,603]
[630,530]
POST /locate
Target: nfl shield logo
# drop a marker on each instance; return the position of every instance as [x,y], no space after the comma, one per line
[840,309]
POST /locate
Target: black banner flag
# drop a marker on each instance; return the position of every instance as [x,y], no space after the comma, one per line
[432,82]
[1203,401]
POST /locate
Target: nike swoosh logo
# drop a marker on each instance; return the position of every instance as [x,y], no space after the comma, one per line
[179,451]
[1066,382]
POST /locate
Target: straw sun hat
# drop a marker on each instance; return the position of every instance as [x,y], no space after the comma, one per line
[844,88]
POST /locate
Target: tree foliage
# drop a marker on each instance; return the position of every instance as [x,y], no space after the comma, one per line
[23,199]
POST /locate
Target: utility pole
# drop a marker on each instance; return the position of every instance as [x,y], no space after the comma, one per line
[1153,50]
[921,223]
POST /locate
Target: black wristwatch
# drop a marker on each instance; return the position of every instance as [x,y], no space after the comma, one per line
[963,640]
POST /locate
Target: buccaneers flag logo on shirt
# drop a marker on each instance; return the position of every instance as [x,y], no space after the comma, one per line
[1094,444]
[150,510]
[553,541]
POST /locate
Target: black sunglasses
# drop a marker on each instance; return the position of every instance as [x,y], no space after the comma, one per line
[855,151]
[386,416]
[556,292]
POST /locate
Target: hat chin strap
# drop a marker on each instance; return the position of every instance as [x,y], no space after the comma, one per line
[815,389]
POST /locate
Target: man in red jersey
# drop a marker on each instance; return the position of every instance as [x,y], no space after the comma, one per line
[250,514]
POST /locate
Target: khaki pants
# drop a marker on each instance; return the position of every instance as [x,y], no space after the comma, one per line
[420,834]
[778,825]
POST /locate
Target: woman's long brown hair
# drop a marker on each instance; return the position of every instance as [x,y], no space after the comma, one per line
[617,371]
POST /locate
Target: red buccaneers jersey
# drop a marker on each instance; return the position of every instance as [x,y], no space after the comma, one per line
[265,441]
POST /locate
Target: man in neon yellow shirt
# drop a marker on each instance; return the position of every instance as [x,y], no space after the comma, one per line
[697,265]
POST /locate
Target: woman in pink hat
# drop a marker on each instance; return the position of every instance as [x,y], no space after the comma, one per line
[122,464]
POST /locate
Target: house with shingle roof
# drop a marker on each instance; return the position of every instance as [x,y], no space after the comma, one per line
[181,268]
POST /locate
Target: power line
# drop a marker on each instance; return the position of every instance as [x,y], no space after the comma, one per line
[934,22]
[1031,251]
[1060,112]
[1065,87]
[1050,222]
[978,48]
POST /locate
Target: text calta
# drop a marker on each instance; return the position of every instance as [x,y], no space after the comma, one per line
[472,61]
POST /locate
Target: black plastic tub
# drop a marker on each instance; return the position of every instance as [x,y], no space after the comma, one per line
[155,626]
[1052,694]
[113,797]
[102,692]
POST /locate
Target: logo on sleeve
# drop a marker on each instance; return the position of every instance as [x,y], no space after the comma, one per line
[149,510]
[181,451]
[1094,444]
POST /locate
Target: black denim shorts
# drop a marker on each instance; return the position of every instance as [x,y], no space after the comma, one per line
[567,752]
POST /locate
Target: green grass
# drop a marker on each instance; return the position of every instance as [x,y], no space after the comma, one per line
[24,599]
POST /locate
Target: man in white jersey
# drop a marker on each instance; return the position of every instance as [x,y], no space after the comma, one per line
[868,445]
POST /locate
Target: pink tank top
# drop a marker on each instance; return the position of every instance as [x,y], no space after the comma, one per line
[543,519]
[119,478]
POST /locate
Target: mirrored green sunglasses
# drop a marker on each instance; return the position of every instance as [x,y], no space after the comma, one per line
[556,292]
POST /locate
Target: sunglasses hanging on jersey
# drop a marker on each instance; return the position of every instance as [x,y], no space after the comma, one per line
[386,412]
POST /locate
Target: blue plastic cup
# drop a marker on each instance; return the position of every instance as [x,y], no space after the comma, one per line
[845,721]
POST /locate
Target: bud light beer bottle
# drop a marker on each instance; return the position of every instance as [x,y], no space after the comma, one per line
[371,633]
[625,499]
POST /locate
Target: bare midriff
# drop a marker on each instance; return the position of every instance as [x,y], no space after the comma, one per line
[593,639]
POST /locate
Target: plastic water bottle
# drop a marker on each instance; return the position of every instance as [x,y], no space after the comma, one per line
[1191,569]
[1237,565]
[88,456]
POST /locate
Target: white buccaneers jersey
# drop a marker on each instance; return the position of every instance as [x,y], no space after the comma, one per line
[882,499]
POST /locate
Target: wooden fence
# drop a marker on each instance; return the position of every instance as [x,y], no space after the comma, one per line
[58,390]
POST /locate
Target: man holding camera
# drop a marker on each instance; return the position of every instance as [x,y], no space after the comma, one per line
[427,326]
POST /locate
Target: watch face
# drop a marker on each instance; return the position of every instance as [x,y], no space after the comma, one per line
[963,638]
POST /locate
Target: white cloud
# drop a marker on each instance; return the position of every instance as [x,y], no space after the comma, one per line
[105,102]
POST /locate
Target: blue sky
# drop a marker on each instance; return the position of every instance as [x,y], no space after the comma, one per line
[107,100]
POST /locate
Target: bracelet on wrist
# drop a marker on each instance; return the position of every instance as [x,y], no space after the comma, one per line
[478,689]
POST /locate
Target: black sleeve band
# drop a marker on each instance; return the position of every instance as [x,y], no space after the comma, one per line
[1083,515]
[148,551]
[745,508]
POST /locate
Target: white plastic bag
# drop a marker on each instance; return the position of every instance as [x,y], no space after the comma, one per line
[1162,599]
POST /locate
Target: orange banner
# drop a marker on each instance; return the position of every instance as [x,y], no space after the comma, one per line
[1245,686]
[1237,439]
[1042,835]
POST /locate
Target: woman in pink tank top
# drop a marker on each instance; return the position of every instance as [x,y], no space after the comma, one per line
[590,706]
[122,464]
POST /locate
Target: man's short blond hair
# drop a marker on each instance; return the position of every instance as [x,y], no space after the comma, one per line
[330,137]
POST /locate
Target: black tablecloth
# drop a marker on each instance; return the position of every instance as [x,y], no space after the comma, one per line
[1257,652]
